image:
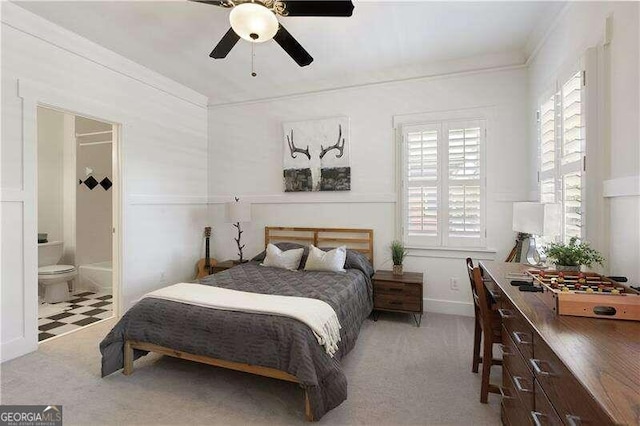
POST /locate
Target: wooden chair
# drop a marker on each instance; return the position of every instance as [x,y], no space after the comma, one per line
[477,329]
[491,328]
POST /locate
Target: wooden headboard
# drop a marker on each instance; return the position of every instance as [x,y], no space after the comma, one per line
[355,239]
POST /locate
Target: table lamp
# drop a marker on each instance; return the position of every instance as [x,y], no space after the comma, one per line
[238,212]
[535,219]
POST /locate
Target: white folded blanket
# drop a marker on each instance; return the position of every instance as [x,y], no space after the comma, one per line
[318,315]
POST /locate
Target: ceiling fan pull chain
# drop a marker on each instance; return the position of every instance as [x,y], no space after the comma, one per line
[253,72]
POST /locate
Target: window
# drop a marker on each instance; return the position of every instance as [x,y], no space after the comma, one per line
[443,184]
[562,145]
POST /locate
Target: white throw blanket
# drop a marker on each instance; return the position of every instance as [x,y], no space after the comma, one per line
[318,315]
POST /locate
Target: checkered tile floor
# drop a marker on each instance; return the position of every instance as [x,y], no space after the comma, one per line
[83,309]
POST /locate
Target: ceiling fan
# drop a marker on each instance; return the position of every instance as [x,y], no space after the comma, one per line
[257,21]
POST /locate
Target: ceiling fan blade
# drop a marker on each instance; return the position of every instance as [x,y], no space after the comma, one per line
[318,7]
[292,47]
[223,3]
[225,45]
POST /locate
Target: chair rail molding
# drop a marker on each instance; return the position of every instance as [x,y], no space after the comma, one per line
[628,186]
[310,198]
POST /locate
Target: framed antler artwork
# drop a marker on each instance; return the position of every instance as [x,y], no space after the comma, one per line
[316,155]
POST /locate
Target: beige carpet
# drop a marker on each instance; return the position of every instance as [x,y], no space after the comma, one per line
[397,373]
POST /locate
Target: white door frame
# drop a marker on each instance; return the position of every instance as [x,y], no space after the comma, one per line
[36,95]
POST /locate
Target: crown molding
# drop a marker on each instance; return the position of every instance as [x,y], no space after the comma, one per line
[385,83]
[46,31]
[531,49]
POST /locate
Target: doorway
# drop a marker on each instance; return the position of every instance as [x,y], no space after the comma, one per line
[77,208]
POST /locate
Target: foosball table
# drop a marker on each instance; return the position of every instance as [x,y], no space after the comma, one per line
[587,294]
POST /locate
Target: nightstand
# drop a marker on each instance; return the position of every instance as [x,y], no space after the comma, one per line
[398,293]
[222,266]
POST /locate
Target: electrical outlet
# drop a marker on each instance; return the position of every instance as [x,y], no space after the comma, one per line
[453,283]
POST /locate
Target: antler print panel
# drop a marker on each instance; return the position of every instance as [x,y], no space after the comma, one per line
[324,164]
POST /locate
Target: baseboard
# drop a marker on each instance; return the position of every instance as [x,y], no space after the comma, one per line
[17,347]
[450,307]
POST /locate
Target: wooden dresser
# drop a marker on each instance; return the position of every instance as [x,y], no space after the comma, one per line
[398,293]
[562,369]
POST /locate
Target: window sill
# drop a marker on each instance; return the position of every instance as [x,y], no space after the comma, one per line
[479,253]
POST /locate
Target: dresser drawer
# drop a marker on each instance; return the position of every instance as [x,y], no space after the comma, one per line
[544,414]
[396,288]
[397,302]
[512,407]
[572,402]
[517,328]
[521,375]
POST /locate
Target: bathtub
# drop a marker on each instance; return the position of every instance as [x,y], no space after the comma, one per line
[96,277]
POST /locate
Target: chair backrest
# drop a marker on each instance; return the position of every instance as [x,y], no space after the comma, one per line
[481,298]
[470,272]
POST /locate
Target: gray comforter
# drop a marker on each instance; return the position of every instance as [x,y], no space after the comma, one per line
[266,340]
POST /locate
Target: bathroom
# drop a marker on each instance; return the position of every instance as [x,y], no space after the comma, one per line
[75,222]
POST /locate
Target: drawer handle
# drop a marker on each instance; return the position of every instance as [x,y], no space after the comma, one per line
[536,416]
[494,295]
[517,381]
[503,394]
[505,313]
[395,302]
[517,335]
[573,420]
[535,363]
[504,350]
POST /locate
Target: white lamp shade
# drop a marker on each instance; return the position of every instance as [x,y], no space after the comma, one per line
[537,218]
[253,22]
[237,211]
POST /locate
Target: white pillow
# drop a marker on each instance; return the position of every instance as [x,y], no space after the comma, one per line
[277,258]
[320,260]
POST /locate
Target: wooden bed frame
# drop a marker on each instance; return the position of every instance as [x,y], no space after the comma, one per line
[355,239]
[360,240]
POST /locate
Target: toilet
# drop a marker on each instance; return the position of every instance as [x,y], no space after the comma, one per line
[54,279]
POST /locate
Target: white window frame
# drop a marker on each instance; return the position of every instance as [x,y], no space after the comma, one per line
[443,240]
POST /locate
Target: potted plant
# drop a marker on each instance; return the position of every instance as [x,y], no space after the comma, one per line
[398,253]
[569,257]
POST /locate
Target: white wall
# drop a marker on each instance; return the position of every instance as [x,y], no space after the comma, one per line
[581,26]
[163,159]
[246,158]
[50,164]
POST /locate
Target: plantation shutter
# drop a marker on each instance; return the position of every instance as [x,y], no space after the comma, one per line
[443,184]
[561,141]
[571,161]
[421,184]
[464,184]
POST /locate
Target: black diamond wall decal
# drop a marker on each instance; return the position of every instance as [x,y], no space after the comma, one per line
[91,182]
[106,183]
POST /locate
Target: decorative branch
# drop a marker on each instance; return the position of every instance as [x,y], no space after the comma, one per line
[240,247]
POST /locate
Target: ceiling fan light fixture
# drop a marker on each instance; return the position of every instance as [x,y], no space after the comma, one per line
[253,22]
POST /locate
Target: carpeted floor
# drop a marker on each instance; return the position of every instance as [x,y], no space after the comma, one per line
[397,373]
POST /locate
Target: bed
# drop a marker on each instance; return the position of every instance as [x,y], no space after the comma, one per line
[267,345]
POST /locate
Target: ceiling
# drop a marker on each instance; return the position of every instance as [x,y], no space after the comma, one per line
[381,41]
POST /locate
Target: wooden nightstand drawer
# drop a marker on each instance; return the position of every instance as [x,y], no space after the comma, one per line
[396,288]
[393,302]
